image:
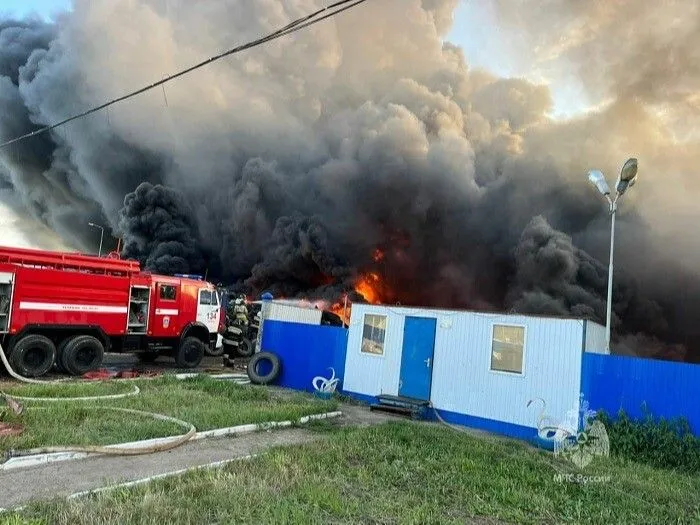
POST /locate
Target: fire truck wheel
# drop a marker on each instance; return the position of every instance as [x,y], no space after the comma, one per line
[246,348]
[190,353]
[33,355]
[82,354]
[275,366]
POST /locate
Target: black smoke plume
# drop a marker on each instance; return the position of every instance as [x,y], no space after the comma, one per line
[365,145]
[162,233]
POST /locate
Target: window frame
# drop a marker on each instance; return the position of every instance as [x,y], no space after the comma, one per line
[362,338]
[161,286]
[202,291]
[524,349]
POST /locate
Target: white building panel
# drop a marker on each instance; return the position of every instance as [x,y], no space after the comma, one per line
[464,383]
[595,338]
[277,311]
[281,310]
[462,379]
[371,374]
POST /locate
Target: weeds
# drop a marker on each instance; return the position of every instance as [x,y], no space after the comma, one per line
[661,443]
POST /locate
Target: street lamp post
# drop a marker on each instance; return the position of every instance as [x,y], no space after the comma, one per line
[102,233]
[627,179]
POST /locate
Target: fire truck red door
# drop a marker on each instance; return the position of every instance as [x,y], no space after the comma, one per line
[164,322]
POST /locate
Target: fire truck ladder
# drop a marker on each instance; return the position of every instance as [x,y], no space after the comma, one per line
[69,262]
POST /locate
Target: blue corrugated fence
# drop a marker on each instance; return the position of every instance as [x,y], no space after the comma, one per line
[667,389]
[306,351]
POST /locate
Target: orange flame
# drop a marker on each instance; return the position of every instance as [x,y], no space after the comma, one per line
[369,286]
[341,311]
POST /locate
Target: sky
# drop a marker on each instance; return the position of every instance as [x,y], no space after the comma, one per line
[44,8]
[474,29]
[486,46]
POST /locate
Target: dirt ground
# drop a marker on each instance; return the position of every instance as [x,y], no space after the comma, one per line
[121,362]
[167,364]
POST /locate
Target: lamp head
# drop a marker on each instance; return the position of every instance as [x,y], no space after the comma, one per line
[628,176]
[629,170]
[597,178]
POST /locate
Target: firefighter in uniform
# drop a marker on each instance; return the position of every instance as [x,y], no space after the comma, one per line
[240,311]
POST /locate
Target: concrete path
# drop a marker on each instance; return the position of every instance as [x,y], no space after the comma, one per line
[21,486]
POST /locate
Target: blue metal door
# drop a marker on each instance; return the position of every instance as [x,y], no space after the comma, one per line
[417,357]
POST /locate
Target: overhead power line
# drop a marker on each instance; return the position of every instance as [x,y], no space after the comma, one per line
[299,24]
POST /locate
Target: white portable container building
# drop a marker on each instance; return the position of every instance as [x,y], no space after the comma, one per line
[511,374]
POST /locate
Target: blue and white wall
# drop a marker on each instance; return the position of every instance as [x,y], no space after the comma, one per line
[464,388]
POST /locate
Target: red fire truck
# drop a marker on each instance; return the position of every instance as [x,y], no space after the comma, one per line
[67,310]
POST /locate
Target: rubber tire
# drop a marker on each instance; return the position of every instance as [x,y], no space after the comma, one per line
[271,376]
[245,348]
[190,353]
[233,331]
[147,357]
[214,352]
[30,342]
[77,344]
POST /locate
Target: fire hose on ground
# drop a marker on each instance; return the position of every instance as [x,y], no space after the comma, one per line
[175,441]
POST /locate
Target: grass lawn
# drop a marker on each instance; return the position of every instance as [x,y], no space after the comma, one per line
[206,403]
[394,473]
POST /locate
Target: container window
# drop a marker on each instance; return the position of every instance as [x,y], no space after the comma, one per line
[204,297]
[373,334]
[167,292]
[507,347]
